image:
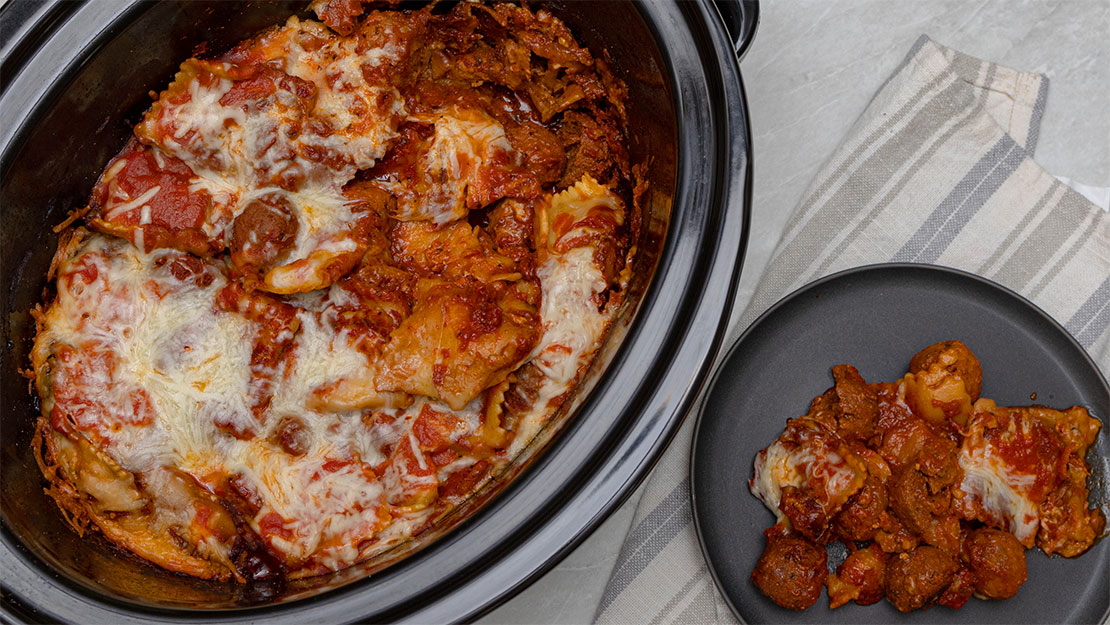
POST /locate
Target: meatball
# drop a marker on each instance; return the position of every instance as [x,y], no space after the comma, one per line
[791,570]
[893,535]
[859,578]
[998,560]
[263,232]
[910,500]
[823,410]
[915,579]
[806,514]
[906,439]
[861,517]
[857,404]
[960,590]
[938,460]
[924,513]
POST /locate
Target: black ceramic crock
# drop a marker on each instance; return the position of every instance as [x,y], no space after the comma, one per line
[75,76]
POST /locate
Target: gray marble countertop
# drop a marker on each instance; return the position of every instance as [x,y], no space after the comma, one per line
[811,71]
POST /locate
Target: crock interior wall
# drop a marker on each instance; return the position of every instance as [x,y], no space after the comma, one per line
[88,118]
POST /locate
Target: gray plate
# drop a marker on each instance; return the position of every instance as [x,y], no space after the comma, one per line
[877,318]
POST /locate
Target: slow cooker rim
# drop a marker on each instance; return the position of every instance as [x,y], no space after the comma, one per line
[719,193]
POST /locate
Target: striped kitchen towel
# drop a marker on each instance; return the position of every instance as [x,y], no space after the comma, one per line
[936,170]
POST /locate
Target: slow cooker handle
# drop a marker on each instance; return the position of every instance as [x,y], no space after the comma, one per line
[740,18]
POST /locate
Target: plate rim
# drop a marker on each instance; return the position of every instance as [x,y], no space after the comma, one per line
[801,291]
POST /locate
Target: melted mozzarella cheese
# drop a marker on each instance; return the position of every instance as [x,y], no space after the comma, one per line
[1001,493]
[321,355]
[199,374]
[236,152]
[814,463]
[571,319]
[336,70]
[573,328]
[203,115]
[194,362]
[171,344]
[776,468]
[573,325]
[317,502]
[464,141]
[132,204]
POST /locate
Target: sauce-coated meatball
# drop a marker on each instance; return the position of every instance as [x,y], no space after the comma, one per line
[911,500]
[792,570]
[915,579]
[960,590]
[859,578]
[861,517]
[857,403]
[998,560]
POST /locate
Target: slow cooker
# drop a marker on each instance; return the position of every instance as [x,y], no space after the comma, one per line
[75,76]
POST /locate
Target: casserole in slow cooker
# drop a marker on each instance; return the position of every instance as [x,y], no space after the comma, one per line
[76,79]
[341,277]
